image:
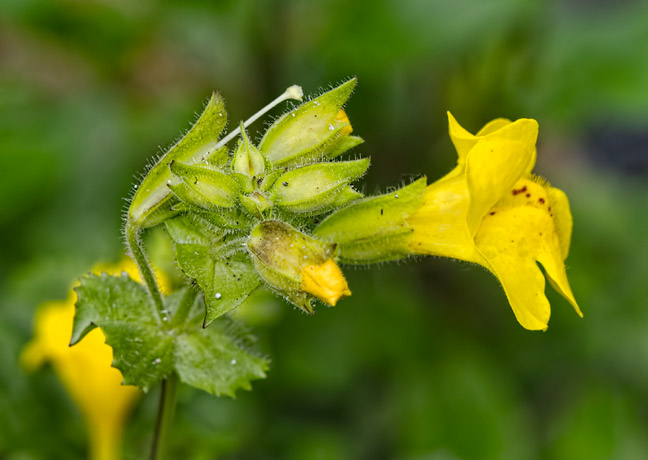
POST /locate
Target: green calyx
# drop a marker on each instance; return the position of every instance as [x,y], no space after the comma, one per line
[315,130]
[280,252]
[374,229]
[153,200]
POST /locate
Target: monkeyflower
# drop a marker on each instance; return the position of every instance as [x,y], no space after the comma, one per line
[85,370]
[491,210]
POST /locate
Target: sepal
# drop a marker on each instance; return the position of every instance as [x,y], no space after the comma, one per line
[373,229]
[255,203]
[151,200]
[204,186]
[319,187]
[310,131]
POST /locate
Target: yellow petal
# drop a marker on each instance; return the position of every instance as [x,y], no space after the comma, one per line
[550,259]
[53,328]
[439,226]
[524,130]
[325,281]
[493,125]
[343,118]
[559,208]
[493,166]
[462,139]
[516,234]
[524,286]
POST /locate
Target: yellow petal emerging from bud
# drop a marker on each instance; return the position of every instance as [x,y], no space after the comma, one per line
[325,281]
[341,117]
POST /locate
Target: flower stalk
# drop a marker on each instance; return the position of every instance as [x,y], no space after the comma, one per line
[166,412]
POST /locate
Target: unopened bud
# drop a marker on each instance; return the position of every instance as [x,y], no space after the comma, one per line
[204,186]
[318,187]
[296,265]
[311,130]
[247,158]
[325,281]
[255,203]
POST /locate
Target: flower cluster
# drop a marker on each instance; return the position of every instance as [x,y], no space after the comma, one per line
[284,212]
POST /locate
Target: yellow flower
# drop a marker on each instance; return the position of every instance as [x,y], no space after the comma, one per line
[85,370]
[325,281]
[492,211]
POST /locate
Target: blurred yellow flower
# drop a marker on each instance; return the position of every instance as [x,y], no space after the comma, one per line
[85,369]
[492,211]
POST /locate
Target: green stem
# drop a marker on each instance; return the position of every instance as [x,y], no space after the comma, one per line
[181,314]
[166,411]
[135,245]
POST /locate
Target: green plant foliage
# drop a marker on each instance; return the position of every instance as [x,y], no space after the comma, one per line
[218,360]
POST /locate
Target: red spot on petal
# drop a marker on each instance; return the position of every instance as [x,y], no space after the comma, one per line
[522,190]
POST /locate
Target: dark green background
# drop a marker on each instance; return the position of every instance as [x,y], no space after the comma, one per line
[425,361]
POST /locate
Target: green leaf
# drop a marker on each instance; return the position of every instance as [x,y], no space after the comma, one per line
[107,297]
[218,262]
[226,278]
[142,350]
[146,350]
[216,359]
[143,353]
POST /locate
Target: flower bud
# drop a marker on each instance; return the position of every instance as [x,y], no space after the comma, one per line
[374,229]
[313,130]
[247,158]
[203,186]
[296,265]
[325,281]
[255,203]
[153,200]
[318,187]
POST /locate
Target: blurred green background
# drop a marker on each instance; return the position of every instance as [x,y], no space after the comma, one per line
[425,361]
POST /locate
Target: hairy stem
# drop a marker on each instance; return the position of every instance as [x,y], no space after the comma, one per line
[135,246]
[166,411]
